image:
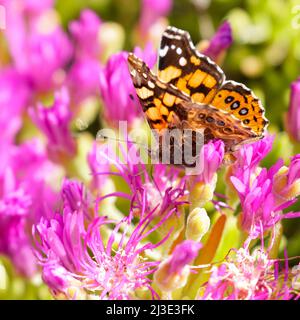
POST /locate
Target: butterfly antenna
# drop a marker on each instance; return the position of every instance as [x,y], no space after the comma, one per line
[122,140]
[127,141]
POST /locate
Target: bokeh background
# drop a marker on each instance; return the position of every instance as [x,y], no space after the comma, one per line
[265,55]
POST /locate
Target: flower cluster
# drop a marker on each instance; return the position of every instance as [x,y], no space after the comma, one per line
[92,217]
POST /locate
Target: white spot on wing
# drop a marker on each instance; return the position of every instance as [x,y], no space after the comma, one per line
[151,84]
[179,51]
[182,61]
[163,52]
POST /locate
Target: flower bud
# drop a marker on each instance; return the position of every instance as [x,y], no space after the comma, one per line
[198,224]
[173,273]
[201,193]
[286,182]
[292,123]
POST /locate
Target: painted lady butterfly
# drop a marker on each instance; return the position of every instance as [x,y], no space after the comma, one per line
[190,91]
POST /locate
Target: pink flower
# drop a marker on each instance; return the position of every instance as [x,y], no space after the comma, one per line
[161,192]
[24,198]
[34,7]
[54,122]
[292,123]
[116,86]
[173,272]
[152,11]
[220,42]
[212,157]
[85,33]
[98,169]
[14,242]
[12,104]
[78,262]
[83,79]
[202,186]
[261,202]
[76,197]
[249,156]
[39,54]
[246,276]
[183,254]
[47,55]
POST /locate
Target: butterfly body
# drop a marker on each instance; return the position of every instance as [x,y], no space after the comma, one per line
[190,92]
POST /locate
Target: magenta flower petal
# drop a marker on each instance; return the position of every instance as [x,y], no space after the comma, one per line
[152,11]
[116,75]
[85,32]
[220,42]
[292,123]
[183,254]
[54,122]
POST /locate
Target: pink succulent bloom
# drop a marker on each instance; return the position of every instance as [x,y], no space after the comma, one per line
[260,207]
[83,79]
[12,105]
[55,122]
[47,55]
[152,11]
[246,277]
[79,261]
[39,55]
[29,6]
[210,160]
[32,7]
[162,192]
[249,156]
[220,42]
[292,122]
[24,197]
[294,169]
[76,197]
[183,255]
[14,242]
[212,155]
[122,104]
[98,168]
[85,33]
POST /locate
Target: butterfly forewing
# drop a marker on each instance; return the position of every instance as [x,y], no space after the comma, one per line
[190,71]
[158,100]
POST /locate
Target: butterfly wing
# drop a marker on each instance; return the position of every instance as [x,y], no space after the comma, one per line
[183,66]
[240,101]
[159,100]
[204,81]
[217,124]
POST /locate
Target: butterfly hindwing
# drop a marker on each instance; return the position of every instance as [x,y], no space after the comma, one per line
[241,102]
[190,71]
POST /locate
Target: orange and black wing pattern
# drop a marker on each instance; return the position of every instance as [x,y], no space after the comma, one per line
[204,81]
[158,99]
[183,66]
[242,104]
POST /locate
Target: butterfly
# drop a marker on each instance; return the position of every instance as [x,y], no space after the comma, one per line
[191,91]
